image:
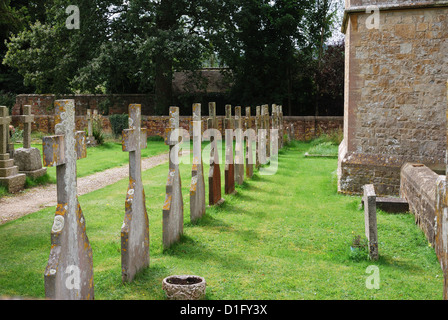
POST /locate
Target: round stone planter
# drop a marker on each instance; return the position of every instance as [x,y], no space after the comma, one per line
[184,287]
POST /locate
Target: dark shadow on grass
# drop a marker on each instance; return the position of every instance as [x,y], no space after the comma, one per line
[209,221]
[244,196]
[190,249]
[228,208]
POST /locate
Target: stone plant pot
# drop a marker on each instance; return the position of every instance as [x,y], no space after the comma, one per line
[184,287]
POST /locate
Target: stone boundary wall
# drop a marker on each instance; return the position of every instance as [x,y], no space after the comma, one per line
[305,127]
[418,186]
[43,104]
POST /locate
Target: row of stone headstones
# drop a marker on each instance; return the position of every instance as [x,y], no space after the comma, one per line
[234,166]
[69,272]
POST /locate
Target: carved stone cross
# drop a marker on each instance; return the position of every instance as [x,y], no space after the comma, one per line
[135,228]
[239,147]
[266,118]
[69,272]
[257,141]
[214,175]
[91,141]
[28,159]
[9,176]
[27,119]
[5,120]
[173,208]
[197,187]
[280,126]
[250,138]
[229,173]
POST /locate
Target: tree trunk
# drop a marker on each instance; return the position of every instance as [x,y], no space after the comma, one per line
[163,84]
[165,20]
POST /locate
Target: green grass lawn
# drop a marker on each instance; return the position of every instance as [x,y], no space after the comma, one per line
[106,156]
[285,236]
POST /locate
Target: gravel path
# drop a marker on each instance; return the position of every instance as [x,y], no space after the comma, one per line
[35,199]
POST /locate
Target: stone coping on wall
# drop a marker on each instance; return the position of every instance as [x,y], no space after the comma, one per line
[389,7]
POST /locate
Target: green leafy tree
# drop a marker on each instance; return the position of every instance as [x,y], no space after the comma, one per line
[49,55]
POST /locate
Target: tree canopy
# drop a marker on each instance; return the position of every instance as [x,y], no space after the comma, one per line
[274,49]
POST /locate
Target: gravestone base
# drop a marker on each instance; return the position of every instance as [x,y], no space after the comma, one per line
[10,150]
[221,201]
[10,176]
[29,162]
[91,142]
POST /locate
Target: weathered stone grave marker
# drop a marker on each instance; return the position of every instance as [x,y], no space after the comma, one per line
[250,137]
[280,126]
[135,228]
[275,122]
[214,175]
[229,125]
[28,159]
[197,187]
[91,141]
[266,125]
[239,147]
[257,134]
[9,173]
[69,272]
[173,208]
[370,220]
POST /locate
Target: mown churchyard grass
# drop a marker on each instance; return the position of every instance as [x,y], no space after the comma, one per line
[106,156]
[285,236]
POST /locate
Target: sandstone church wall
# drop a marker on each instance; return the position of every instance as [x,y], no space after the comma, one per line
[395,101]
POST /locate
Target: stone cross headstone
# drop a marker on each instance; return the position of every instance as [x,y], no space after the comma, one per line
[280,126]
[370,220]
[229,126]
[239,147]
[197,187]
[28,159]
[276,122]
[257,140]
[214,175]
[249,145]
[10,145]
[135,228]
[266,122]
[91,141]
[9,173]
[173,208]
[69,272]
[27,120]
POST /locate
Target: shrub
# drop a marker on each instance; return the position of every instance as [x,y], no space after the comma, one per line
[118,123]
[17,135]
[7,99]
[104,106]
[97,128]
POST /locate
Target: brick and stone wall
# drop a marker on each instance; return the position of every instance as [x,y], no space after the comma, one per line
[395,99]
[305,128]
